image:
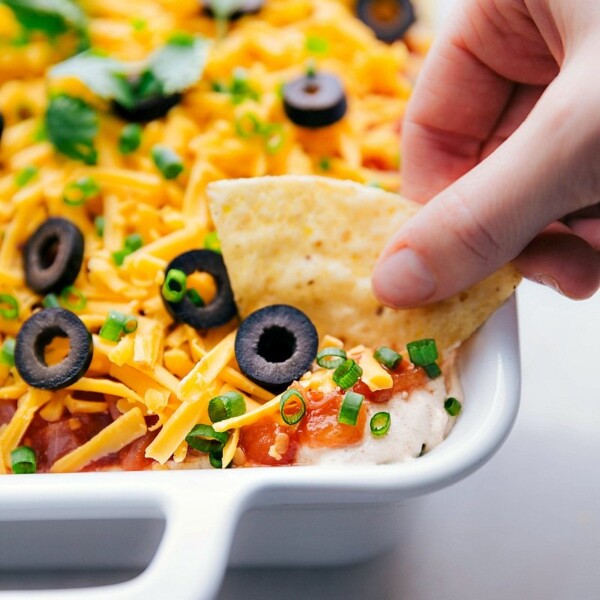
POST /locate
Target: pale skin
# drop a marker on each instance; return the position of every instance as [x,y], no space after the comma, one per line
[501,140]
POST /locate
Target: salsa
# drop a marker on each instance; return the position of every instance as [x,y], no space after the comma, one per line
[263,441]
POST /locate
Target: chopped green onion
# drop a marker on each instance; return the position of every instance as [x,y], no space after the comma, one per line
[220,88]
[50,301]
[41,133]
[133,242]
[212,242]
[311,68]
[422,352]
[130,325]
[216,459]
[99,223]
[240,89]
[325,163]
[9,307]
[292,407]
[247,125]
[130,138]
[226,406]
[194,297]
[433,370]
[452,406]
[205,439]
[7,354]
[274,135]
[23,461]
[380,423]
[331,358]
[169,163]
[138,24]
[316,45]
[387,357]
[113,326]
[80,191]
[73,299]
[119,256]
[181,38]
[25,175]
[173,289]
[350,408]
[280,90]
[347,374]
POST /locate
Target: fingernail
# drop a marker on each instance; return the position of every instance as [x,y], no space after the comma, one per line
[550,282]
[403,279]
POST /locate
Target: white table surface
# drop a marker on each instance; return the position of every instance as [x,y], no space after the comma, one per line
[527,525]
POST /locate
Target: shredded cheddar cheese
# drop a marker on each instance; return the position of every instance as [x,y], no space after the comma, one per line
[113,438]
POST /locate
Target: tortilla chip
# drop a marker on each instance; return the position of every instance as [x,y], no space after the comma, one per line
[312,242]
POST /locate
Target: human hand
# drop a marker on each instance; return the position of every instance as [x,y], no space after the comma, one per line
[502,140]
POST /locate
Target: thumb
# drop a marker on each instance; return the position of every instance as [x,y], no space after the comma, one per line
[486,218]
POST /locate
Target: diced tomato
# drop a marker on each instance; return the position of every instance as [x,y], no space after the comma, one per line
[257,439]
[133,456]
[379,396]
[320,427]
[406,378]
[7,410]
[50,441]
[378,163]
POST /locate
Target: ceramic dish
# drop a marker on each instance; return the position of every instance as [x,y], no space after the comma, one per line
[288,515]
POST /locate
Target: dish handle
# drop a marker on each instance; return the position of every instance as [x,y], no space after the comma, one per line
[191,558]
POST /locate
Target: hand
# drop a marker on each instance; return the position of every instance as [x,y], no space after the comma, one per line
[502,140]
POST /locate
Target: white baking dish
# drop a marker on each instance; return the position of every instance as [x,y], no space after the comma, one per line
[292,515]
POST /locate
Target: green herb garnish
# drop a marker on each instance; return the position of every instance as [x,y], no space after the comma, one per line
[316,44]
[239,88]
[130,138]
[25,175]
[72,125]
[173,68]
[51,17]
[168,162]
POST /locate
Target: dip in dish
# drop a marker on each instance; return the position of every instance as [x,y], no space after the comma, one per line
[106,159]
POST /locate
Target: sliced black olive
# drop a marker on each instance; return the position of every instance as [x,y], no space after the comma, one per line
[1,125]
[147,109]
[52,256]
[250,7]
[389,19]
[218,312]
[275,346]
[314,100]
[33,337]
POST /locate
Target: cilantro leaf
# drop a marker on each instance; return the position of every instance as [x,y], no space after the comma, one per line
[223,9]
[171,69]
[52,17]
[72,125]
[180,63]
[98,73]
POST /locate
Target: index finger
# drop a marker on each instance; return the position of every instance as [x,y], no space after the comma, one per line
[464,89]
